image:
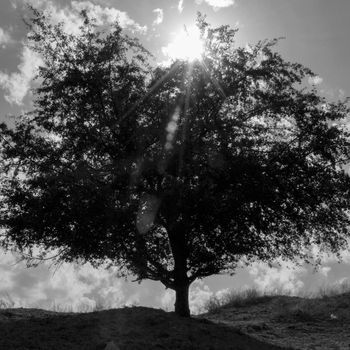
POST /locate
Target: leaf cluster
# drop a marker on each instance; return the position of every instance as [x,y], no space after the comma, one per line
[175,172]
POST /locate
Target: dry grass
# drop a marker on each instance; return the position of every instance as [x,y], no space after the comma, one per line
[242,298]
[334,290]
[98,304]
[252,296]
[318,320]
[137,328]
[6,301]
[328,303]
[245,297]
[234,298]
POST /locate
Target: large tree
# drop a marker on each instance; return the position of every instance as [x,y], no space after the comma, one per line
[172,173]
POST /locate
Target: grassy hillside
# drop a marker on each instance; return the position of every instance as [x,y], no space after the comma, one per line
[241,321]
[136,328]
[321,322]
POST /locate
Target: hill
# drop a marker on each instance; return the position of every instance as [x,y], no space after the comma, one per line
[263,323]
[301,323]
[136,328]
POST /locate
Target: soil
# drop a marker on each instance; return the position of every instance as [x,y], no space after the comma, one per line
[308,324]
[266,324]
[130,328]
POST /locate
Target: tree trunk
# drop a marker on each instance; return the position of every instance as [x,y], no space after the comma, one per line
[181,282]
[181,301]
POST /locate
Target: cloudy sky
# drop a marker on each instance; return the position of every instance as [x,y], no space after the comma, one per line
[316,33]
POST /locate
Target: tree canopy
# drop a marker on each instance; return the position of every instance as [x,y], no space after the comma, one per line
[172,173]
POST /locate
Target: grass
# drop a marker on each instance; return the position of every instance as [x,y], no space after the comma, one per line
[241,298]
[99,305]
[6,302]
[300,308]
[330,291]
[235,299]
[332,308]
[320,319]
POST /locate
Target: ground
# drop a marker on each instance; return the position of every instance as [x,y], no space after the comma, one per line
[310,324]
[269,323]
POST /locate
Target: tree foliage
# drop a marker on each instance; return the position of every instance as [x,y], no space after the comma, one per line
[172,173]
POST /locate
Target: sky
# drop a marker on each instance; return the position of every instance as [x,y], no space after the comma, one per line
[315,33]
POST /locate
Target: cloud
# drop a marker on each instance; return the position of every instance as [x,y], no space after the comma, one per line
[159,16]
[69,14]
[167,300]
[71,286]
[217,4]
[344,281]
[108,15]
[341,94]
[284,278]
[5,38]
[17,84]
[199,295]
[324,270]
[316,80]
[180,6]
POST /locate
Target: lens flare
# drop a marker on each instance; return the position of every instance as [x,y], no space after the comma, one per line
[171,129]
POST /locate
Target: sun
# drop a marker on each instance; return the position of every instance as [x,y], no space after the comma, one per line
[187,45]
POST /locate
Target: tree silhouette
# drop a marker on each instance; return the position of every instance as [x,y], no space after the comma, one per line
[172,173]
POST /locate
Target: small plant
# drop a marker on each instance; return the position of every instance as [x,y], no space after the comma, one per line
[213,305]
[101,304]
[6,301]
[246,297]
[84,308]
[56,307]
[333,290]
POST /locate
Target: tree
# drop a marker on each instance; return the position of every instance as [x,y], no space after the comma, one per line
[172,173]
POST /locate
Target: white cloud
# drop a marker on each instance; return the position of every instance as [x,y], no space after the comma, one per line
[199,295]
[69,287]
[341,94]
[108,15]
[180,6]
[345,255]
[217,4]
[69,14]
[283,278]
[17,84]
[316,80]
[159,16]
[324,270]
[167,300]
[5,37]
[344,281]
[133,300]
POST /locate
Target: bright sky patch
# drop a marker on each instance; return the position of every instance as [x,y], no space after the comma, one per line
[187,45]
